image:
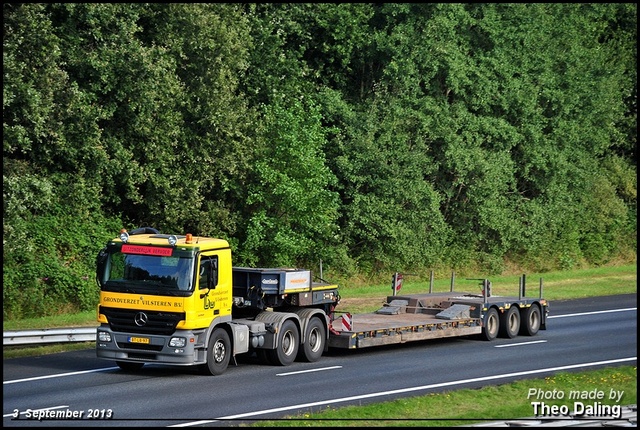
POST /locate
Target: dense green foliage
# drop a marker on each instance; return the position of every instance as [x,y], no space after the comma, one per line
[373,137]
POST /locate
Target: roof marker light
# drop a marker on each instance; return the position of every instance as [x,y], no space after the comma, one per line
[172,240]
[124,236]
[189,238]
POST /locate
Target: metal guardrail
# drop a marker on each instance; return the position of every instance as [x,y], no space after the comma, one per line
[52,335]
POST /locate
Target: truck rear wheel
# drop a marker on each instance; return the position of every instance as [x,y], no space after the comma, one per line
[218,352]
[531,320]
[315,338]
[491,324]
[510,323]
[288,344]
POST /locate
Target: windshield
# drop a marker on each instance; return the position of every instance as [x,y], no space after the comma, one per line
[133,273]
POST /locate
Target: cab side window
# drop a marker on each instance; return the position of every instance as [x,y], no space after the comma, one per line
[208,272]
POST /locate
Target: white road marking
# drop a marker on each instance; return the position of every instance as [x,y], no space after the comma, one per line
[520,344]
[592,313]
[309,371]
[59,375]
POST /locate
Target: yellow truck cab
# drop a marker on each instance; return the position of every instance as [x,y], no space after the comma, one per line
[172,299]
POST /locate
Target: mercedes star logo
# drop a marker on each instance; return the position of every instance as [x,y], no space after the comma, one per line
[141,319]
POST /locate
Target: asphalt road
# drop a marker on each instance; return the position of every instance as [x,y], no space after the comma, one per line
[77,389]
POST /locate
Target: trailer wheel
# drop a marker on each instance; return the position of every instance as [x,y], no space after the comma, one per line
[510,323]
[315,337]
[130,367]
[218,352]
[491,325]
[531,320]
[288,344]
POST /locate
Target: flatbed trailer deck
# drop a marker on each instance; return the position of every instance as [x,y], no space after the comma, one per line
[414,317]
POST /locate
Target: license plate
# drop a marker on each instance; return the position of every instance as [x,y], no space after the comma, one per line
[139,340]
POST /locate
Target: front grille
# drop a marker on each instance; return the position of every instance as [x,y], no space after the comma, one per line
[159,323]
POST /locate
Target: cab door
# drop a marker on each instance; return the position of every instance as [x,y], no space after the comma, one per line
[213,289]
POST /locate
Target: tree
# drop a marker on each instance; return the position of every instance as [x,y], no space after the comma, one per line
[292,211]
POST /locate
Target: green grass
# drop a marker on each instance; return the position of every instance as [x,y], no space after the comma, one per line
[84,319]
[469,406]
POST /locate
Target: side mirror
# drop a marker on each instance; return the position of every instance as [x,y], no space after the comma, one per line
[214,273]
[101,264]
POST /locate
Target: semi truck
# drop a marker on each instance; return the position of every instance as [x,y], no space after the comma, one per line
[177,299]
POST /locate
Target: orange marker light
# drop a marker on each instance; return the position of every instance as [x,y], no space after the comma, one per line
[189,238]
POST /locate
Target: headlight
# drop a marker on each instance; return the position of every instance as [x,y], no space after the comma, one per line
[177,342]
[104,336]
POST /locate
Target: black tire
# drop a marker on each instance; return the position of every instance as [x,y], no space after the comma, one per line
[128,366]
[313,347]
[218,352]
[510,323]
[288,344]
[491,325]
[531,320]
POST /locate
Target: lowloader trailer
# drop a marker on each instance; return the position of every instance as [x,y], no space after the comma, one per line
[414,317]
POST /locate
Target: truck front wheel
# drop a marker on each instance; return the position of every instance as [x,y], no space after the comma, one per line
[218,352]
[288,344]
[315,338]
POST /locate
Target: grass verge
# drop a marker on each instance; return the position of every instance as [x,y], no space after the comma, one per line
[469,406]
